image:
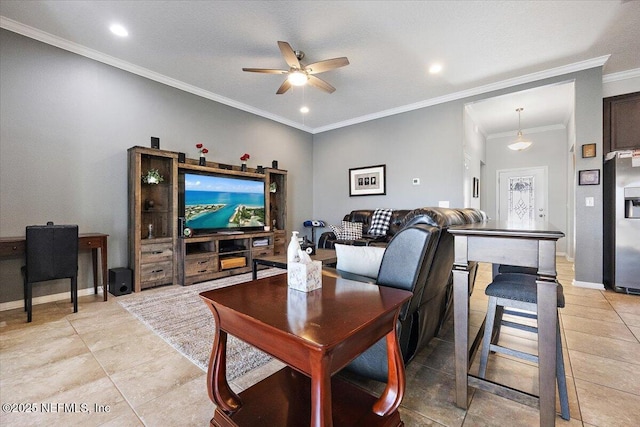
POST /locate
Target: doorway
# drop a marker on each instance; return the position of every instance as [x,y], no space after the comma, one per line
[522,194]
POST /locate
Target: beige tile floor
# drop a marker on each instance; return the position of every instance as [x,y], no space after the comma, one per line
[102,367]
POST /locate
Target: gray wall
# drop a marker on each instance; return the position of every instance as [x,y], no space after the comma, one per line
[588,119]
[66,122]
[418,144]
[549,149]
[428,144]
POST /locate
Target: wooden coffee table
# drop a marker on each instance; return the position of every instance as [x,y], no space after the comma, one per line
[327,256]
[316,334]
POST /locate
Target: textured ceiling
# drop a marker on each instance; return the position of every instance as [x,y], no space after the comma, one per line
[202,46]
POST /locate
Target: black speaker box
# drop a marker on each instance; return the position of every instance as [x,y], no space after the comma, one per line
[182,157]
[120,282]
[155,142]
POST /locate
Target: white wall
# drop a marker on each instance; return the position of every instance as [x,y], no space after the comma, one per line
[66,122]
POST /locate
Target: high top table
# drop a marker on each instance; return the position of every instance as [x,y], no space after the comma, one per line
[316,334]
[527,245]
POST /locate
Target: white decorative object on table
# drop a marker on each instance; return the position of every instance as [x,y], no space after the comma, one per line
[305,275]
[293,248]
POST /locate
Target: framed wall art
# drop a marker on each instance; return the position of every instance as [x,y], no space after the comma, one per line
[368,181]
[588,150]
[589,177]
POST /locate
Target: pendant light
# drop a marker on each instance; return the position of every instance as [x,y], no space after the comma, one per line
[521,143]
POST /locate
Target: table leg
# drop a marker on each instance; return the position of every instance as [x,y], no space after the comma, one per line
[321,411]
[392,396]
[461,334]
[104,253]
[547,324]
[94,260]
[219,391]
[255,270]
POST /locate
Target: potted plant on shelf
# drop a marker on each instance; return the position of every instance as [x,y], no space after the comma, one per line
[244,159]
[152,177]
[203,151]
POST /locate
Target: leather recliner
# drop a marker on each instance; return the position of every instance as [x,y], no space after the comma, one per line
[419,258]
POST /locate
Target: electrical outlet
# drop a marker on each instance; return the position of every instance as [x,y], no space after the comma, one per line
[443,203]
[588,201]
[415,181]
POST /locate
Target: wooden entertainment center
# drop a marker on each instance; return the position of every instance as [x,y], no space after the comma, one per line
[159,254]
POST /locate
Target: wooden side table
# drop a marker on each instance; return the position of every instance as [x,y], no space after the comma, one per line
[316,334]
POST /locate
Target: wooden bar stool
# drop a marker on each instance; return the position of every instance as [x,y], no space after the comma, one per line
[519,291]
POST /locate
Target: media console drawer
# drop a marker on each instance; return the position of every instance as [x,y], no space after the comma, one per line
[159,272]
[155,252]
[200,264]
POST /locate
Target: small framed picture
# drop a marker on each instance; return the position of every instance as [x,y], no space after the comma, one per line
[588,150]
[589,177]
[367,181]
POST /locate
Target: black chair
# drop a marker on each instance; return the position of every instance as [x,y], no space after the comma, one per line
[519,291]
[51,253]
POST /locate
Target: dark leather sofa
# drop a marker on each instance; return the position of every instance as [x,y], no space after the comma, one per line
[419,258]
[327,239]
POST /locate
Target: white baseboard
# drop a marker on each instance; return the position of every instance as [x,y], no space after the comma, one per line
[589,285]
[11,305]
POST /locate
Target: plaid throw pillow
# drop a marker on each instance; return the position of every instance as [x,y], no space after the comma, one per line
[351,230]
[380,222]
[337,230]
[348,230]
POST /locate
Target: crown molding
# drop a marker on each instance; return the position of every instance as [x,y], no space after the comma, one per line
[527,78]
[61,43]
[622,75]
[527,132]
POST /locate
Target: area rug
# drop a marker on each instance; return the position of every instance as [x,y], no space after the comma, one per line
[181,318]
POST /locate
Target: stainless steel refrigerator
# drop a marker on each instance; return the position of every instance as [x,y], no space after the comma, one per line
[621,197]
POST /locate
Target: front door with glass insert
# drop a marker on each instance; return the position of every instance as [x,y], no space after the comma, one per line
[522,195]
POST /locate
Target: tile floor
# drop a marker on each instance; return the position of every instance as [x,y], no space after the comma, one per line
[102,367]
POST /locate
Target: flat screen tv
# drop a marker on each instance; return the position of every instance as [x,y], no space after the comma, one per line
[214,203]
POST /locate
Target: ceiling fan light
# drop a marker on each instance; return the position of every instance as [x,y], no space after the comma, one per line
[298,78]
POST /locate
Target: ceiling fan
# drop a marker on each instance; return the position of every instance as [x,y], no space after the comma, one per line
[299,74]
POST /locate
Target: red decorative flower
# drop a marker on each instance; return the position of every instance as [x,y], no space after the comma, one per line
[245,157]
[201,148]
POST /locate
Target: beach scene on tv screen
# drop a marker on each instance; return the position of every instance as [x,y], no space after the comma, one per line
[213,202]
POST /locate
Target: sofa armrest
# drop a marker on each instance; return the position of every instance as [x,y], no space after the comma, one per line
[326,240]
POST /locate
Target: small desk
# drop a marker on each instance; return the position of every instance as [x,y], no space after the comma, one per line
[501,243]
[316,334]
[327,256]
[14,247]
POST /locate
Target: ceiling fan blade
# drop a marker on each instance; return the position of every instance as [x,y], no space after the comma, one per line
[285,86]
[265,70]
[321,84]
[289,55]
[329,64]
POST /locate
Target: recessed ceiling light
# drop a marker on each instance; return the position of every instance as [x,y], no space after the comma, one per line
[435,68]
[304,110]
[119,30]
